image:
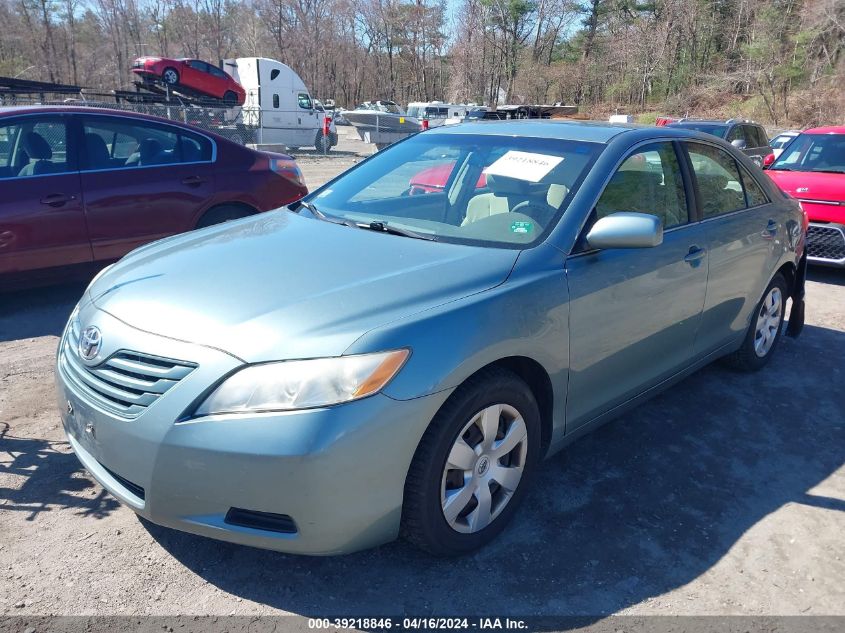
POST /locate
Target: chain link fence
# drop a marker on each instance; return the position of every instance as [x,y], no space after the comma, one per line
[240,125]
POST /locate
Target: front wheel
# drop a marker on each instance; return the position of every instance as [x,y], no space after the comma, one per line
[764,332]
[472,466]
[322,142]
[170,76]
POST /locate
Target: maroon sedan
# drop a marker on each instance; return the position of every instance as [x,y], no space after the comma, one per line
[86,185]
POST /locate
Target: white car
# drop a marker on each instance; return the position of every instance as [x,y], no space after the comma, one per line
[779,142]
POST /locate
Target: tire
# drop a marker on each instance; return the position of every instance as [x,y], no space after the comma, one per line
[170,76]
[230,98]
[322,143]
[764,332]
[223,213]
[455,430]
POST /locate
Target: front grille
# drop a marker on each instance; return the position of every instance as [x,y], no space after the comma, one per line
[126,383]
[826,242]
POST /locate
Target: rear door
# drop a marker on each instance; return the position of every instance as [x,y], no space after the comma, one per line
[634,313]
[42,223]
[142,181]
[742,228]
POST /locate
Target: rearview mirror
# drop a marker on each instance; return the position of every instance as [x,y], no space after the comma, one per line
[626,230]
[739,143]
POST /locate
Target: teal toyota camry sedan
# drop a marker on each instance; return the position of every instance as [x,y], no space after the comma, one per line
[385,359]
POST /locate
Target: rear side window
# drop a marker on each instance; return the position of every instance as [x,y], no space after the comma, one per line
[648,181]
[718,180]
[754,194]
[276,101]
[113,143]
[34,147]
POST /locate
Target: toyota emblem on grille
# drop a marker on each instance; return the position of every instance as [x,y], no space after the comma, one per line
[89,342]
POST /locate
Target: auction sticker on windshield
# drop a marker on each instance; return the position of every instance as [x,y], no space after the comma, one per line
[523,165]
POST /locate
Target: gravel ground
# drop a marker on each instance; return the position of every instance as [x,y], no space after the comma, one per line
[725,495]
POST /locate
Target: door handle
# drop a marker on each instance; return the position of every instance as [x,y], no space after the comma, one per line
[57,199]
[771,230]
[193,181]
[695,255]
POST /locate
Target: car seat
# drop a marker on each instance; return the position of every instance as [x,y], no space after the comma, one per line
[97,152]
[506,193]
[39,153]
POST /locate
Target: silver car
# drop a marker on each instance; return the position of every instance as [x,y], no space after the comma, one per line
[370,363]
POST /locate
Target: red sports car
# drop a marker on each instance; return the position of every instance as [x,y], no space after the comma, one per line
[84,186]
[812,169]
[193,75]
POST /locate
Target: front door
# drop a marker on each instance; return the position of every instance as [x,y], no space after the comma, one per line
[634,313]
[42,222]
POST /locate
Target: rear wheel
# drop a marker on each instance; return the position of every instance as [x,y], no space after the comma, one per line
[224,213]
[472,466]
[170,76]
[764,332]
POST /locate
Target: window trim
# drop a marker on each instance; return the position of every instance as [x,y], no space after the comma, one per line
[179,131]
[72,135]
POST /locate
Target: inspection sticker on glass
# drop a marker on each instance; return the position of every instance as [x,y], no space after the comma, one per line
[523,165]
[521,227]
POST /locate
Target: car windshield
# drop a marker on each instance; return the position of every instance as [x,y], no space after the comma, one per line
[500,191]
[813,152]
[716,129]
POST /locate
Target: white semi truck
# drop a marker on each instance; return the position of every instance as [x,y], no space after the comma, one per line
[278,105]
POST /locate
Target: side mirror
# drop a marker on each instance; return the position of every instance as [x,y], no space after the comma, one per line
[626,230]
[739,143]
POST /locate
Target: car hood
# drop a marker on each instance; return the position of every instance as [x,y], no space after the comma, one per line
[280,286]
[810,185]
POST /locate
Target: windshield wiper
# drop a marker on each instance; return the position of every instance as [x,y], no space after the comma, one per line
[324,216]
[828,171]
[395,230]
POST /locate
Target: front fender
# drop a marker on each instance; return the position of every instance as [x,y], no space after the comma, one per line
[527,316]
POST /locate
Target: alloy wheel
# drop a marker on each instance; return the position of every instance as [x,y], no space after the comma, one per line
[483,468]
[768,321]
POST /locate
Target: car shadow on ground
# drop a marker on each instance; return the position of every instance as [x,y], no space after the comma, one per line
[38,311]
[52,479]
[640,507]
[835,276]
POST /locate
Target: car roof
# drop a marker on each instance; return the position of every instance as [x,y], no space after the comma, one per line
[700,121]
[564,130]
[830,129]
[56,109]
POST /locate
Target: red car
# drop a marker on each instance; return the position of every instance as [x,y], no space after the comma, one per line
[434,179]
[193,75]
[88,185]
[812,169]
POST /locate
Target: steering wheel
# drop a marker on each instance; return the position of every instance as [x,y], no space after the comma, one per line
[540,212]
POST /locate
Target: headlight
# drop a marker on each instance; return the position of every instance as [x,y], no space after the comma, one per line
[303,384]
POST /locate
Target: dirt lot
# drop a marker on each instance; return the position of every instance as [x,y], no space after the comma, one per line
[726,495]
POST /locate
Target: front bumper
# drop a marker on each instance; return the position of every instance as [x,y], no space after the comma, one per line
[337,472]
[826,244]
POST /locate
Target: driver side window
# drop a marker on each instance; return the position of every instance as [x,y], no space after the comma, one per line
[304,101]
[648,181]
